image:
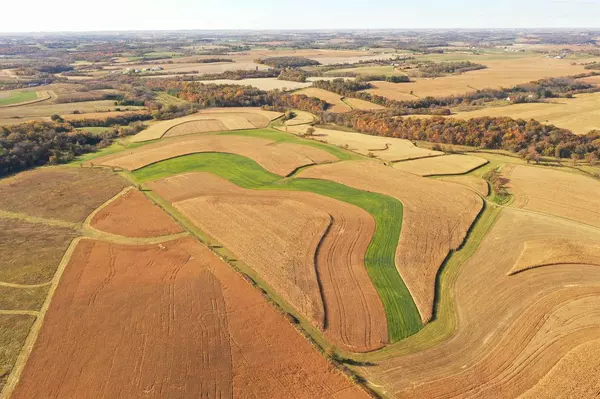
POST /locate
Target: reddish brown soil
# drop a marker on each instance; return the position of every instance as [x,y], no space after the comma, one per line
[170,321]
[134,215]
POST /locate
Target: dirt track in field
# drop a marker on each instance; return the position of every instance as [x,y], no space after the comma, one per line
[512,329]
[281,159]
[452,164]
[167,320]
[333,279]
[132,214]
[436,218]
[554,192]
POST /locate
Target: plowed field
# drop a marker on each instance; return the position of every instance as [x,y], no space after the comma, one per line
[132,214]
[436,218]
[315,259]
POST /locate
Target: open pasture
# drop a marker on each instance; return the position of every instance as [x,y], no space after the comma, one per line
[316,260]
[385,148]
[212,120]
[282,159]
[580,114]
[62,193]
[262,83]
[17,97]
[164,350]
[553,192]
[453,164]
[505,347]
[132,214]
[436,218]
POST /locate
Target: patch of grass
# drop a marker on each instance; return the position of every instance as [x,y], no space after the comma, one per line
[13,332]
[402,314]
[93,129]
[23,298]
[16,97]
[117,146]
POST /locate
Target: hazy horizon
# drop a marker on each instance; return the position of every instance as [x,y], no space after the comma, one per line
[65,16]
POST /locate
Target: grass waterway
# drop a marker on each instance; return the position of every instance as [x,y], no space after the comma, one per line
[402,314]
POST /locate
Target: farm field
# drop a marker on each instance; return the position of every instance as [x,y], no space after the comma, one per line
[322,246]
[211,120]
[402,315]
[538,317]
[500,72]
[280,158]
[356,103]
[187,283]
[436,218]
[384,148]
[580,114]
[474,182]
[16,97]
[452,164]
[338,105]
[555,193]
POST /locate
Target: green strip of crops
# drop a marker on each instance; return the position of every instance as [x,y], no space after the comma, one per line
[16,97]
[402,314]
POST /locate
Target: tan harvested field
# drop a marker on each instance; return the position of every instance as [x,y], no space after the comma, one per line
[42,111]
[194,329]
[262,83]
[385,148]
[63,193]
[132,214]
[31,252]
[554,192]
[357,103]
[13,332]
[512,330]
[549,252]
[436,218]
[500,72]
[191,68]
[335,100]
[207,121]
[580,114]
[473,182]
[595,80]
[99,115]
[281,159]
[452,164]
[301,118]
[315,260]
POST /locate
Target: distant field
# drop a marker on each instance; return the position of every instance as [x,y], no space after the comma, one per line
[334,99]
[263,83]
[15,97]
[452,164]
[580,114]
[386,70]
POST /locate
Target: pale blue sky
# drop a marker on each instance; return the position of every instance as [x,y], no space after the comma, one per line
[81,15]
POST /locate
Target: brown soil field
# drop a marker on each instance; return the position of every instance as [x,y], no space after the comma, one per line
[248,222]
[63,193]
[42,95]
[230,118]
[13,332]
[452,164]
[193,329]
[554,192]
[132,214]
[500,72]
[436,218]
[474,182]
[505,346]
[31,252]
[580,114]
[43,110]
[357,103]
[281,159]
[335,100]
[385,148]
[548,252]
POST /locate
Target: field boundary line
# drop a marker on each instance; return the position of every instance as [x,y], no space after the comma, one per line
[15,375]
[24,286]
[38,220]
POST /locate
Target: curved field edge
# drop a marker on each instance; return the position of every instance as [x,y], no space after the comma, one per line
[401,312]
